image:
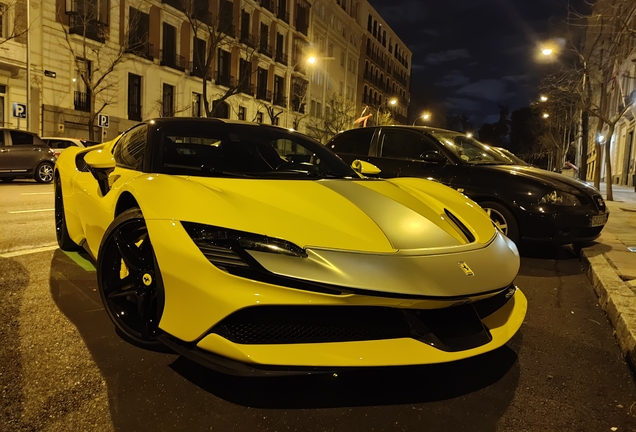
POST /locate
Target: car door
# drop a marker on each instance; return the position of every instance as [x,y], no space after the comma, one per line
[23,153]
[409,153]
[5,152]
[353,144]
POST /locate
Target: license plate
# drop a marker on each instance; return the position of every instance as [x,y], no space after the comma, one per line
[598,220]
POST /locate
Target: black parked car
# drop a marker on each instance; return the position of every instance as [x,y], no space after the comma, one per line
[526,202]
[24,155]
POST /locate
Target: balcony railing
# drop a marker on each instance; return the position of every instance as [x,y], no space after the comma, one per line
[141,49]
[88,28]
[228,29]
[173,61]
[134,112]
[268,50]
[177,4]
[282,58]
[249,40]
[246,88]
[298,106]
[270,5]
[279,100]
[224,79]
[197,71]
[82,101]
[281,14]
[263,94]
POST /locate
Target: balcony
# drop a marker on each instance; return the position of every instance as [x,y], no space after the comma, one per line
[264,94]
[177,4]
[173,61]
[248,40]
[281,14]
[268,50]
[91,29]
[246,88]
[228,29]
[134,112]
[279,100]
[270,5]
[282,58]
[224,79]
[298,106]
[82,101]
[141,49]
[197,71]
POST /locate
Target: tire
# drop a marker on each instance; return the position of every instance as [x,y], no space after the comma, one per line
[44,173]
[129,282]
[61,232]
[503,218]
[7,179]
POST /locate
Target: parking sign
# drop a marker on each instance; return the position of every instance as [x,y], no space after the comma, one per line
[103,121]
[19,110]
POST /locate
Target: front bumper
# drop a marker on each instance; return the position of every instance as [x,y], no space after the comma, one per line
[559,225]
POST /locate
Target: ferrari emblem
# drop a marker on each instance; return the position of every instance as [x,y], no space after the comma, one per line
[466,269]
[147,279]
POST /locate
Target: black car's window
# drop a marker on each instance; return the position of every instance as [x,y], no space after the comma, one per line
[130,149]
[246,151]
[404,144]
[469,150]
[356,142]
[21,138]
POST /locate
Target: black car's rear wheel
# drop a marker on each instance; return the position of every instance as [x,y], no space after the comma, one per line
[129,280]
[61,232]
[44,173]
[503,218]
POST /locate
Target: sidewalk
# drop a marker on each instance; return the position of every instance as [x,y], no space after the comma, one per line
[612,268]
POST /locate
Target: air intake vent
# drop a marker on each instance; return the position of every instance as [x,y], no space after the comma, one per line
[220,256]
[80,164]
[463,228]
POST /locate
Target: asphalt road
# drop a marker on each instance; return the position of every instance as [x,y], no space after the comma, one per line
[63,367]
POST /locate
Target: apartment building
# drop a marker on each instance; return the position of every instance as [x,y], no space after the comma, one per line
[138,59]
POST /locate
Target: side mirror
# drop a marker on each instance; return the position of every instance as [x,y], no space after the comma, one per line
[433,156]
[365,168]
[100,159]
[101,163]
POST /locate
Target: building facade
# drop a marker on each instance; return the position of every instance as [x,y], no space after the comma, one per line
[138,59]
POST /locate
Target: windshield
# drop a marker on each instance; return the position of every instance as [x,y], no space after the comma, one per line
[247,151]
[469,150]
[510,155]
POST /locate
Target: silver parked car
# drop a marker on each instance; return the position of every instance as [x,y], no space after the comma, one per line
[25,155]
[58,144]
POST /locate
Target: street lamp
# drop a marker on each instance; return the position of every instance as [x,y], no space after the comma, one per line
[425,116]
[547,51]
[544,98]
[546,115]
[469,135]
[311,60]
[392,102]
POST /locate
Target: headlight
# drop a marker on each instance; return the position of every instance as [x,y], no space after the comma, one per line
[560,198]
[225,247]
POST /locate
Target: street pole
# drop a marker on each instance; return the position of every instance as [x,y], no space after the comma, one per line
[28,66]
[584,129]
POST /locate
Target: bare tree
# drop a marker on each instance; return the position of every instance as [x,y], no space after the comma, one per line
[13,23]
[218,34]
[299,97]
[340,113]
[97,52]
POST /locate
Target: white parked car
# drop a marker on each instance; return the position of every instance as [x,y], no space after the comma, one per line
[58,144]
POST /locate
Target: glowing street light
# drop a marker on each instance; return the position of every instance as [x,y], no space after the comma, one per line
[392,101]
[469,135]
[546,115]
[547,51]
[544,98]
[425,116]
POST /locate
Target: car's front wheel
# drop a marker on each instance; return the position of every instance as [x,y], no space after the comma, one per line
[502,218]
[129,281]
[44,173]
[61,232]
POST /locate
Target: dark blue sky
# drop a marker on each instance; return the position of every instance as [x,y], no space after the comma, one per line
[469,56]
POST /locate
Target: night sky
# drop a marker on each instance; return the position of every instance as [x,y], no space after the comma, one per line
[469,56]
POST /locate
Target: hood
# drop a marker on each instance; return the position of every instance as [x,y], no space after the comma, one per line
[552,180]
[355,215]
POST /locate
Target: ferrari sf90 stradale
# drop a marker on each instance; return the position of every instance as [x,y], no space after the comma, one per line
[254,249]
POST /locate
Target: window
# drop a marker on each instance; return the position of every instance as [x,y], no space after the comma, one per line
[196,105]
[341,88]
[169,55]
[302,16]
[60,144]
[259,117]
[138,29]
[242,113]
[167,101]
[3,93]
[318,110]
[355,141]
[330,50]
[82,99]
[3,13]
[134,97]
[342,58]
[402,144]
[130,149]
[349,92]
[21,138]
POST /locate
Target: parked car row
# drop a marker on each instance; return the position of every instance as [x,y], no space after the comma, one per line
[25,155]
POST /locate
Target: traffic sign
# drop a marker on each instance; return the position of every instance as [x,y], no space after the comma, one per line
[19,110]
[103,121]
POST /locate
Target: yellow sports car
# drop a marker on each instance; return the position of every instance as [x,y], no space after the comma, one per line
[253,249]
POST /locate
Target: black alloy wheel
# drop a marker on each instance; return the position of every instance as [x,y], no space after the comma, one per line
[129,281]
[502,218]
[61,232]
[44,173]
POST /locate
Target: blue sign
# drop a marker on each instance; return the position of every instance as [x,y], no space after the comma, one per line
[19,110]
[103,121]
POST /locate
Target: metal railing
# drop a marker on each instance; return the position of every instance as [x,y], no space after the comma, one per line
[281,14]
[173,61]
[282,58]
[249,40]
[227,28]
[266,49]
[279,100]
[224,79]
[270,5]
[82,101]
[92,29]
[177,4]
[197,71]
[263,94]
[246,88]
[141,49]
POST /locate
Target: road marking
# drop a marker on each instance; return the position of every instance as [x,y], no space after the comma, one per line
[38,193]
[31,211]
[28,251]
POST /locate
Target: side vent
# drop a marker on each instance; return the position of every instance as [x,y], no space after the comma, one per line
[80,164]
[463,228]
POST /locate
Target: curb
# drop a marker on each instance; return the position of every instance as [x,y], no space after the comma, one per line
[616,299]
